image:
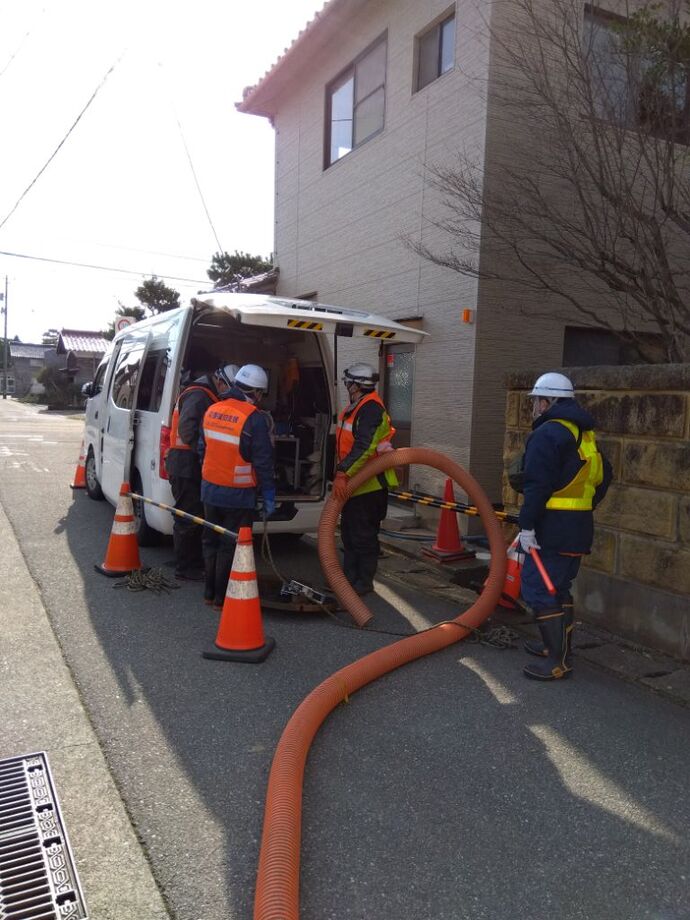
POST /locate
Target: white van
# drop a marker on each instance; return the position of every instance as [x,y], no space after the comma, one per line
[133,393]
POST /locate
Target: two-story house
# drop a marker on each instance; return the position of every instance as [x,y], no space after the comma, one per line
[368,95]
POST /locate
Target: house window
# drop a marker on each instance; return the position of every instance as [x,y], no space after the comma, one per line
[10,384]
[355,102]
[435,51]
[636,82]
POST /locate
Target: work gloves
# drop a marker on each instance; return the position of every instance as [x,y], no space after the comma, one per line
[269,497]
[340,487]
[528,540]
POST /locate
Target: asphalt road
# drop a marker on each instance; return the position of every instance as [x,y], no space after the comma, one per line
[450,789]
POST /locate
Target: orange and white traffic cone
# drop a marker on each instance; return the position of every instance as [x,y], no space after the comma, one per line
[448,546]
[122,555]
[80,472]
[511,586]
[240,632]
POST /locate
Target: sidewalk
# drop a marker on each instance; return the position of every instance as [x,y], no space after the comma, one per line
[41,711]
[661,673]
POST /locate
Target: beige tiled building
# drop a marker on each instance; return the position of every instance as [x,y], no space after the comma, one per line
[369,94]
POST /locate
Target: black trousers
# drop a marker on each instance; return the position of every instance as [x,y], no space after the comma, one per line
[360,521]
[187,535]
[219,549]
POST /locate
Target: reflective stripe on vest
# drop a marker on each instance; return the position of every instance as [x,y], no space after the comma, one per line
[176,442]
[224,465]
[345,441]
[578,494]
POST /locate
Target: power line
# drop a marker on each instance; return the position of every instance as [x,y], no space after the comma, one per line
[19,47]
[198,187]
[103,268]
[55,152]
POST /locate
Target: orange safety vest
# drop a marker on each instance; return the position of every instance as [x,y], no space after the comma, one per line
[176,442]
[224,465]
[345,440]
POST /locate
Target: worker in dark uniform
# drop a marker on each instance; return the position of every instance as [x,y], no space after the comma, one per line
[565,478]
[364,430]
[184,468]
[237,462]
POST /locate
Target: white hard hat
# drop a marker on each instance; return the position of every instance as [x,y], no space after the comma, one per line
[252,377]
[227,373]
[553,386]
[364,374]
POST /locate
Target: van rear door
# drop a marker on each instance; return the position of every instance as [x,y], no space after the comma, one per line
[120,421]
[305,315]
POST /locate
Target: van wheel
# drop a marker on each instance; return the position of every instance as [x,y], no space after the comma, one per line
[146,536]
[93,486]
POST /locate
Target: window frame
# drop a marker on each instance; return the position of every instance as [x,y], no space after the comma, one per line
[596,16]
[339,79]
[436,24]
[127,350]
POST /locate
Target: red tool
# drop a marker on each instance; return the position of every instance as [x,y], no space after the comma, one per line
[542,571]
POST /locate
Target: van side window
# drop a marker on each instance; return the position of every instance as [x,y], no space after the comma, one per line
[152,381]
[98,379]
[125,376]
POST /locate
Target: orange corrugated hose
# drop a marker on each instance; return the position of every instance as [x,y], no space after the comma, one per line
[277,887]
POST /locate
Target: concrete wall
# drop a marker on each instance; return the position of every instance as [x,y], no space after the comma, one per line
[339,230]
[637,580]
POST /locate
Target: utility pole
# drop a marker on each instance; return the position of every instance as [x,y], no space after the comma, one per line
[5,349]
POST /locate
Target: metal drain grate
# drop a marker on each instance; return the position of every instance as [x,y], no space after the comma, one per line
[38,879]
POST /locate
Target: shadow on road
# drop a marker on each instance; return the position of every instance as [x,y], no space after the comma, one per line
[448,789]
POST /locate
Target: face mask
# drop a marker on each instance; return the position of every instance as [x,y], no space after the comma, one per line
[536,411]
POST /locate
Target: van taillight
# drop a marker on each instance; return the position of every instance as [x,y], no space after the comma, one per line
[164,448]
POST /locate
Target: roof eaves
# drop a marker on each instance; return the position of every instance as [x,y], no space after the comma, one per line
[254,101]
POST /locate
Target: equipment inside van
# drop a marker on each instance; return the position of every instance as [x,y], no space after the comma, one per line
[131,398]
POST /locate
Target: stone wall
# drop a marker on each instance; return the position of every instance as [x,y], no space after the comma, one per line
[637,580]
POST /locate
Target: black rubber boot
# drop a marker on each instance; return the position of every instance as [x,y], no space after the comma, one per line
[552,627]
[537,648]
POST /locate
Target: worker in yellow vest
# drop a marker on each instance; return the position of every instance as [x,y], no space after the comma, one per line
[237,465]
[364,429]
[565,478]
[184,469]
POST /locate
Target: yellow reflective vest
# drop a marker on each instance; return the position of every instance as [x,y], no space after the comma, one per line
[578,494]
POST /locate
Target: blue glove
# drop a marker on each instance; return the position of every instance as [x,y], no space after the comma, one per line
[269,496]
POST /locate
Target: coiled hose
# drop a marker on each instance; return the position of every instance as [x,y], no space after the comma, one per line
[277,887]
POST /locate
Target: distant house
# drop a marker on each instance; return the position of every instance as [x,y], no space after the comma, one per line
[26,363]
[83,350]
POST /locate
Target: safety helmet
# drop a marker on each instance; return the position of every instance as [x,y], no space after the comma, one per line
[252,377]
[227,373]
[363,374]
[553,386]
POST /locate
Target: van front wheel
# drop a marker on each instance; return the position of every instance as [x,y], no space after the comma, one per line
[93,486]
[146,536]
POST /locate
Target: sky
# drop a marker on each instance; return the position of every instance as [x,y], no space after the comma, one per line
[120,192]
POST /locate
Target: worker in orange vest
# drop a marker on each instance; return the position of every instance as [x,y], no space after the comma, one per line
[364,430]
[184,468]
[237,463]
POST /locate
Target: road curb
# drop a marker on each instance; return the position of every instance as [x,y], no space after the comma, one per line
[42,711]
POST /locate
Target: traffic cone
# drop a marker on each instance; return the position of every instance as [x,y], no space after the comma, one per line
[448,546]
[80,472]
[122,555]
[240,634]
[511,586]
